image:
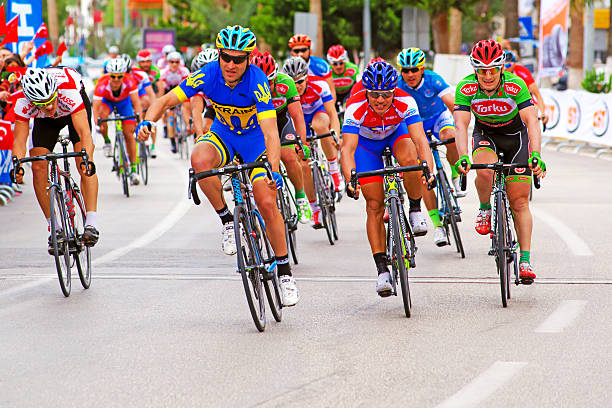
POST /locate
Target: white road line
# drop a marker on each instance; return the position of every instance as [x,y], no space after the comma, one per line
[25,286]
[575,244]
[484,385]
[562,317]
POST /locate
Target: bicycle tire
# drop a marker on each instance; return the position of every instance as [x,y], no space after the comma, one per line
[61,250]
[125,166]
[282,201]
[332,209]
[400,254]
[322,193]
[82,254]
[450,218]
[116,159]
[248,268]
[500,248]
[271,281]
[143,162]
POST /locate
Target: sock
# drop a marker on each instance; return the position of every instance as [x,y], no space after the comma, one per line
[435,218]
[415,204]
[173,142]
[152,145]
[282,263]
[300,194]
[106,139]
[225,214]
[49,223]
[333,165]
[454,172]
[90,219]
[485,206]
[380,259]
[524,256]
[134,167]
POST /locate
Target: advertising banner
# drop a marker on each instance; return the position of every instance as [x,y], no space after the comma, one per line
[554,16]
[155,39]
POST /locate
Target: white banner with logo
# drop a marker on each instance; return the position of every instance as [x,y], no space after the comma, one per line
[578,115]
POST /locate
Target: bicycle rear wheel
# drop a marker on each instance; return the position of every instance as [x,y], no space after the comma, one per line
[450,217]
[324,200]
[82,253]
[143,165]
[271,280]
[59,241]
[332,209]
[400,261]
[248,266]
[500,248]
[290,220]
[124,167]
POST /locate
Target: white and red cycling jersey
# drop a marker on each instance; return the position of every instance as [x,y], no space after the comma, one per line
[316,94]
[360,118]
[69,98]
[172,79]
[141,77]
[103,89]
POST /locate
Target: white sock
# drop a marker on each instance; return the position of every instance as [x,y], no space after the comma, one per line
[333,165]
[90,219]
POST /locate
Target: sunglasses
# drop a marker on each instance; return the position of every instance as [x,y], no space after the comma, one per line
[410,70]
[483,71]
[239,59]
[116,76]
[338,63]
[378,94]
[299,50]
[174,62]
[300,81]
[45,104]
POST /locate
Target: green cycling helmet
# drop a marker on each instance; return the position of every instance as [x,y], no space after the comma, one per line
[411,58]
[236,38]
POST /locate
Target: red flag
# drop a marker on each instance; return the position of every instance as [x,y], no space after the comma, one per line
[98,16]
[61,48]
[6,135]
[11,31]
[45,48]
[2,21]
[42,32]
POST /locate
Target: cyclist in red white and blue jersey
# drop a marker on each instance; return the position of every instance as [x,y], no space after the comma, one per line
[381,116]
[299,45]
[245,125]
[505,121]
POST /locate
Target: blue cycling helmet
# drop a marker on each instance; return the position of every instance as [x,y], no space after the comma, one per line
[379,76]
[510,57]
[411,58]
[236,38]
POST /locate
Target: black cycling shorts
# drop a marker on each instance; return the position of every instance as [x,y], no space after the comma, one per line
[209,113]
[286,130]
[513,145]
[46,130]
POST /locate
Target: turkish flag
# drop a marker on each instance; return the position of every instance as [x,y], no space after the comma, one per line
[11,31]
[45,48]
[42,32]
[6,135]
[61,48]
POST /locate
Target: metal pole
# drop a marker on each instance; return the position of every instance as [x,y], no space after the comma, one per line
[126,15]
[367,32]
[588,38]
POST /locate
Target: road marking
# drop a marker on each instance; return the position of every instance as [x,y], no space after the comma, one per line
[484,385]
[562,317]
[575,244]
[26,286]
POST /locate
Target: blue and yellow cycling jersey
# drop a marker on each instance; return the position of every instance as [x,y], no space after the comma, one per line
[238,108]
[428,95]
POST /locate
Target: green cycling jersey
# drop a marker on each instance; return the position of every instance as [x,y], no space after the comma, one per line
[345,81]
[284,92]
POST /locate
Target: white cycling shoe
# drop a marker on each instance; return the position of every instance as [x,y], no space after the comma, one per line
[289,291]
[304,212]
[440,237]
[134,179]
[418,222]
[107,149]
[229,240]
[383,285]
[458,191]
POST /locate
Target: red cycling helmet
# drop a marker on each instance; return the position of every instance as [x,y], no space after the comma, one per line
[486,54]
[300,39]
[267,64]
[144,55]
[376,59]
[337,53]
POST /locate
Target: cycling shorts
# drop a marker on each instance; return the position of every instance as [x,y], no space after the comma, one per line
[286,130]
[436,124]
[47,130]
[209,113]
[249,145]
[310,116]
[513,145]
[368,155]
[124,108]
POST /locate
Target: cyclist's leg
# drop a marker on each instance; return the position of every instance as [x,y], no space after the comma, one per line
[444,128]
[125,108]
[484,151]
[429,196]
[210,152]
[104,110]
[44,138]
[406,155]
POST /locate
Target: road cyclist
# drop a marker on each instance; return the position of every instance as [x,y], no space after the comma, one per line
[299,46]
[344,74]
[170,77]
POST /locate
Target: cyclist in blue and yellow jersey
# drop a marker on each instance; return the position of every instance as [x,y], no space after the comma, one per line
[245,124]
[435,101]
[299,45]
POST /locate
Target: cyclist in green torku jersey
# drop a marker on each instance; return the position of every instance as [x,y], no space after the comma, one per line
[289,119]
[344,72]
[506,121]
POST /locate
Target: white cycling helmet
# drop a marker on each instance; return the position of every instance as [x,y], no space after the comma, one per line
[204,57]
[174,55]
[117,66]
[38,85]
[295,67]
[128,61]
[168,48]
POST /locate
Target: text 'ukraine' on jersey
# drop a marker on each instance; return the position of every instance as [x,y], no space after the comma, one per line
[103,88]
[345,81]
[500,110]
[318,67]
[69,100]
[316,94]
[360,119]
[428,94]
[238,108]
[284,92]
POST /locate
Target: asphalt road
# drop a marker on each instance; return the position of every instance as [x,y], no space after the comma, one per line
[165,323]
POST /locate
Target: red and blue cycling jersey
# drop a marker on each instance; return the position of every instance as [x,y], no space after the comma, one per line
[316,94]
[318,67]
[103,88]
[142,79]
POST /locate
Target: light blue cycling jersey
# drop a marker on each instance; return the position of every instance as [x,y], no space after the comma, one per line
[317,66]
[428,95]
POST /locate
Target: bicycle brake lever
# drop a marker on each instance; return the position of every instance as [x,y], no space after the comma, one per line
[427,175]
[462,176]
[192,191]
[536,179]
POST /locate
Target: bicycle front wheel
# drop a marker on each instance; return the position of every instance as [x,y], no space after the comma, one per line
[271,280]
[82,253]
[501,255]
[143,164]
[124,163]
[324,200]
[59,239]
[400,262]
[450,216]
[248,265]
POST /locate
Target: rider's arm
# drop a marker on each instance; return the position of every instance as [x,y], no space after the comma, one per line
[417,134]
[22,129]
[462,121]
[449,101]
[197,108]
[332,87]
[330,108]
[270,131]
[529,116]
[81,125]
[151,93]
[535,91]
[96,105]
[347,158]
[296,113]
[161,86]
